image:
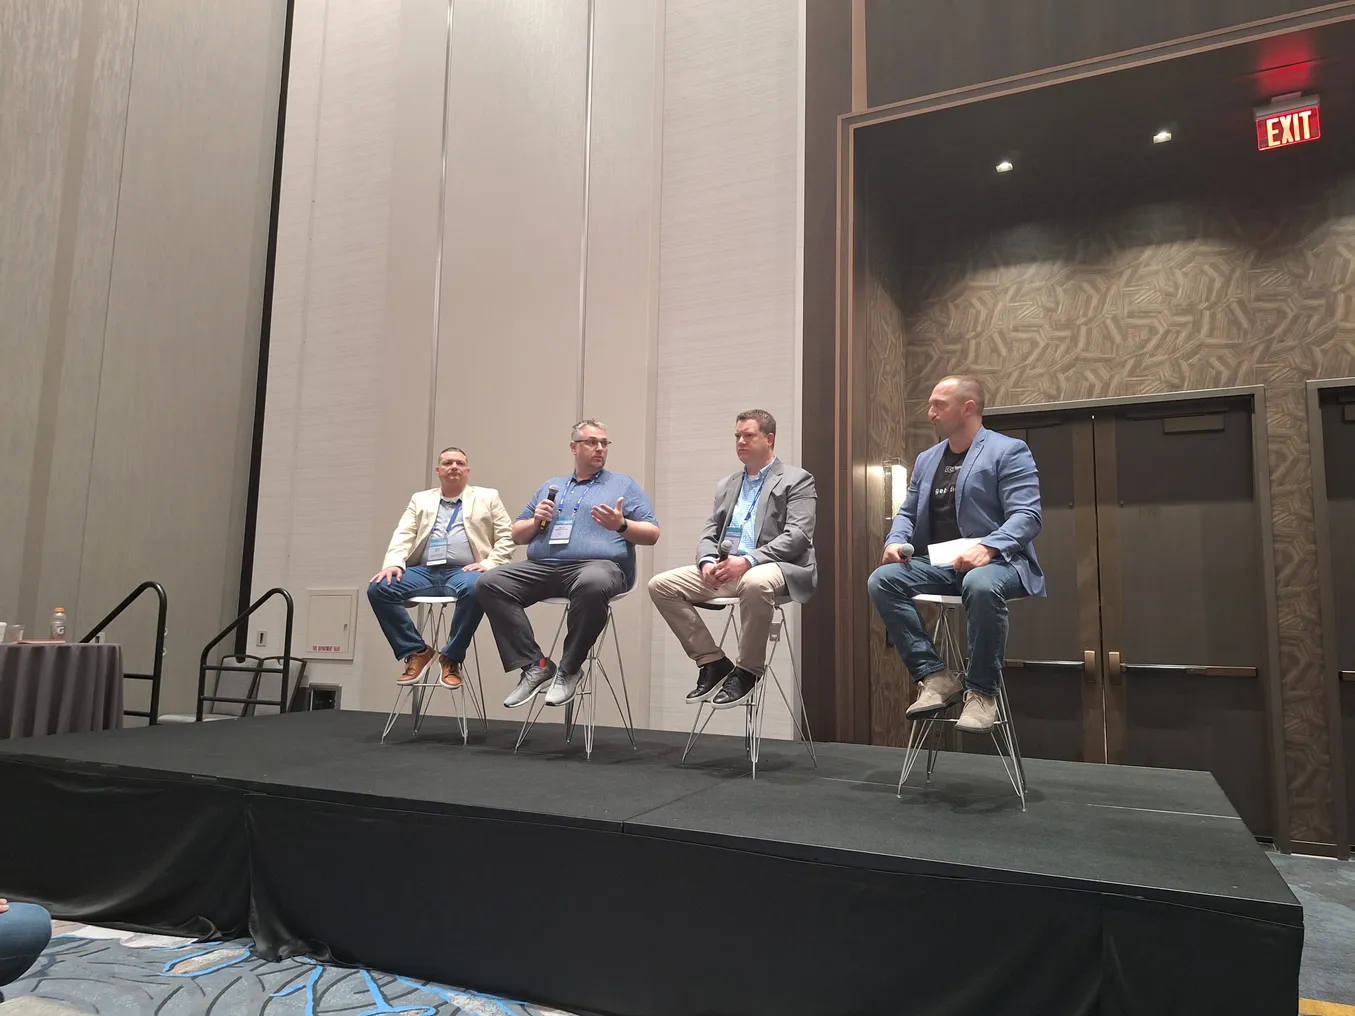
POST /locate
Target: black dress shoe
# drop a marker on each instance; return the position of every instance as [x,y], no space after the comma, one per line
[709,679]
[736,689]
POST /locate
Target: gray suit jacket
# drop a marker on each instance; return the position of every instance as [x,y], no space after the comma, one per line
[785,515]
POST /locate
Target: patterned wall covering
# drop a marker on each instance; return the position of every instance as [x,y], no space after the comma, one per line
[1160,298]
[885,438]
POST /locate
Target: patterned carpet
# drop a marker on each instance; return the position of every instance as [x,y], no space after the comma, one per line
[95,970]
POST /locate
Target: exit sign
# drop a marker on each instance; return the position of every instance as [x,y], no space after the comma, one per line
[1289,121]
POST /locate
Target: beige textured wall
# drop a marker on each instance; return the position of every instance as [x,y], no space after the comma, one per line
[688,240]
[363,362]
[138,155]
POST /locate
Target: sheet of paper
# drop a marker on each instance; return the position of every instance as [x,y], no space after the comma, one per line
[943,555]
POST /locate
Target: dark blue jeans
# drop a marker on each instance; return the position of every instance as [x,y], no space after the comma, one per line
[985,591]
[25,930]
[388,604]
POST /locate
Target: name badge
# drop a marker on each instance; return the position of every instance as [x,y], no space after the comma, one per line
[437,551]
[734,535]
[560,532]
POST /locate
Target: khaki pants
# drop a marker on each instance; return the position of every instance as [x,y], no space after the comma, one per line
[674,592]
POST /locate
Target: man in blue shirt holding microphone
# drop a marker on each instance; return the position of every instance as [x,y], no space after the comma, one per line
[581,531]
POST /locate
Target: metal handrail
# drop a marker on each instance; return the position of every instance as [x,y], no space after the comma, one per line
[286,650]
[153,713]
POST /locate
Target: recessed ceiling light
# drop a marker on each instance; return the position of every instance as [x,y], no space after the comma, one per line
[1161,137]
[1005,166]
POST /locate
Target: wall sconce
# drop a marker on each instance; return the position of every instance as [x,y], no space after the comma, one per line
[896,484]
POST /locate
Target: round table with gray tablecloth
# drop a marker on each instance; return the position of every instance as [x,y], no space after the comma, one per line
[59,688]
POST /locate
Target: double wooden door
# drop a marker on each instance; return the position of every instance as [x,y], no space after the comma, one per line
[1153,645]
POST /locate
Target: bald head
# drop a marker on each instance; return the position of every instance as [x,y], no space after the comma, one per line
[955,409]
[968,389]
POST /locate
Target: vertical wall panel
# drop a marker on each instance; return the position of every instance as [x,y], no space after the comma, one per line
[138,142]
[272,535]
[57,573]
[183,314]
[39,42]
[508,347]
[327,391]
[727,291]
[620,355]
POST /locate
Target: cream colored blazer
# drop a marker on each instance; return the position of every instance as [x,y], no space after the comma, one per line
[488,527]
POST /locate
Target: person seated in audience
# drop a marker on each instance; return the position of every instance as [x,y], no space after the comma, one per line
[581,531]
[758,545]
[448,537]
[25,930]
[982,487]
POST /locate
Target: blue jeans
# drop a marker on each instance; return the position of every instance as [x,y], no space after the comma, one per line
[25,930]
[388,604]
[985,591]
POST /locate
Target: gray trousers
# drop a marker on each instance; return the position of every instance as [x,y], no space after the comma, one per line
[506,591]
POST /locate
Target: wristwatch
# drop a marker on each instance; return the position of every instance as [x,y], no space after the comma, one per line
[625,524]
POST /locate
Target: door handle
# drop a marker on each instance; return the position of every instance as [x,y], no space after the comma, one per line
[1089,666]
[1115,668]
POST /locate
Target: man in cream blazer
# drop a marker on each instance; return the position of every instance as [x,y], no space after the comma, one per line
[447,538]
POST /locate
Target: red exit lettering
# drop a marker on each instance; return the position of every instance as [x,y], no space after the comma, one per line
[1292,128]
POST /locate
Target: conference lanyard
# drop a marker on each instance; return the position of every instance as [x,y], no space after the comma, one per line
[437,545]
[451,521]
[563,528]
[734,534]
[578,500]
[752,507]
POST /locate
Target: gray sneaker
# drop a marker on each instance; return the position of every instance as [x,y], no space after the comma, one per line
[563,688]
[533,678]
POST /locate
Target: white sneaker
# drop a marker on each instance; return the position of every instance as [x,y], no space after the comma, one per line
[979,715]
[936,691]
[563,689]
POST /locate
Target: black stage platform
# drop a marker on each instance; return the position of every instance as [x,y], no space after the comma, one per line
[629,885]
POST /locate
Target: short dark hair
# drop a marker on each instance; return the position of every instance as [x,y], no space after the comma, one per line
[764,419]
[453,448]
[969,388]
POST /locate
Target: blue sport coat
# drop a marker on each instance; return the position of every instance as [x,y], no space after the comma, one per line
[997,501]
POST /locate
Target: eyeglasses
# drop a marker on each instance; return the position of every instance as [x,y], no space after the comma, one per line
[594,442]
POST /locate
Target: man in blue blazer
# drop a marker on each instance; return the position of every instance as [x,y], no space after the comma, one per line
[975,484]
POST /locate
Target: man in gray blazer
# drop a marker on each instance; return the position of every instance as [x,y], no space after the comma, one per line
[758,545]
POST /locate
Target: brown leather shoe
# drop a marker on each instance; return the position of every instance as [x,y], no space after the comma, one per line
[451,672]
[414,666]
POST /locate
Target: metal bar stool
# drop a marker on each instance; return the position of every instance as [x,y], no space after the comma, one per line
[950,647]
[433,625]
[755,706]
[584,697]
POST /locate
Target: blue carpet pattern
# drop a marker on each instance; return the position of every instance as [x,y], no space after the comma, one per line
[95,970]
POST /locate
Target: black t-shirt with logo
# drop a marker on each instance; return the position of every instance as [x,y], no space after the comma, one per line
[944,526]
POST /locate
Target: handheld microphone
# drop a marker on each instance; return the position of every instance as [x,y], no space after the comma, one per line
[725,548]
[906,550]
[550,496]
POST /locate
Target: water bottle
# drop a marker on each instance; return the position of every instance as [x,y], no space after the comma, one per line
[59,624]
